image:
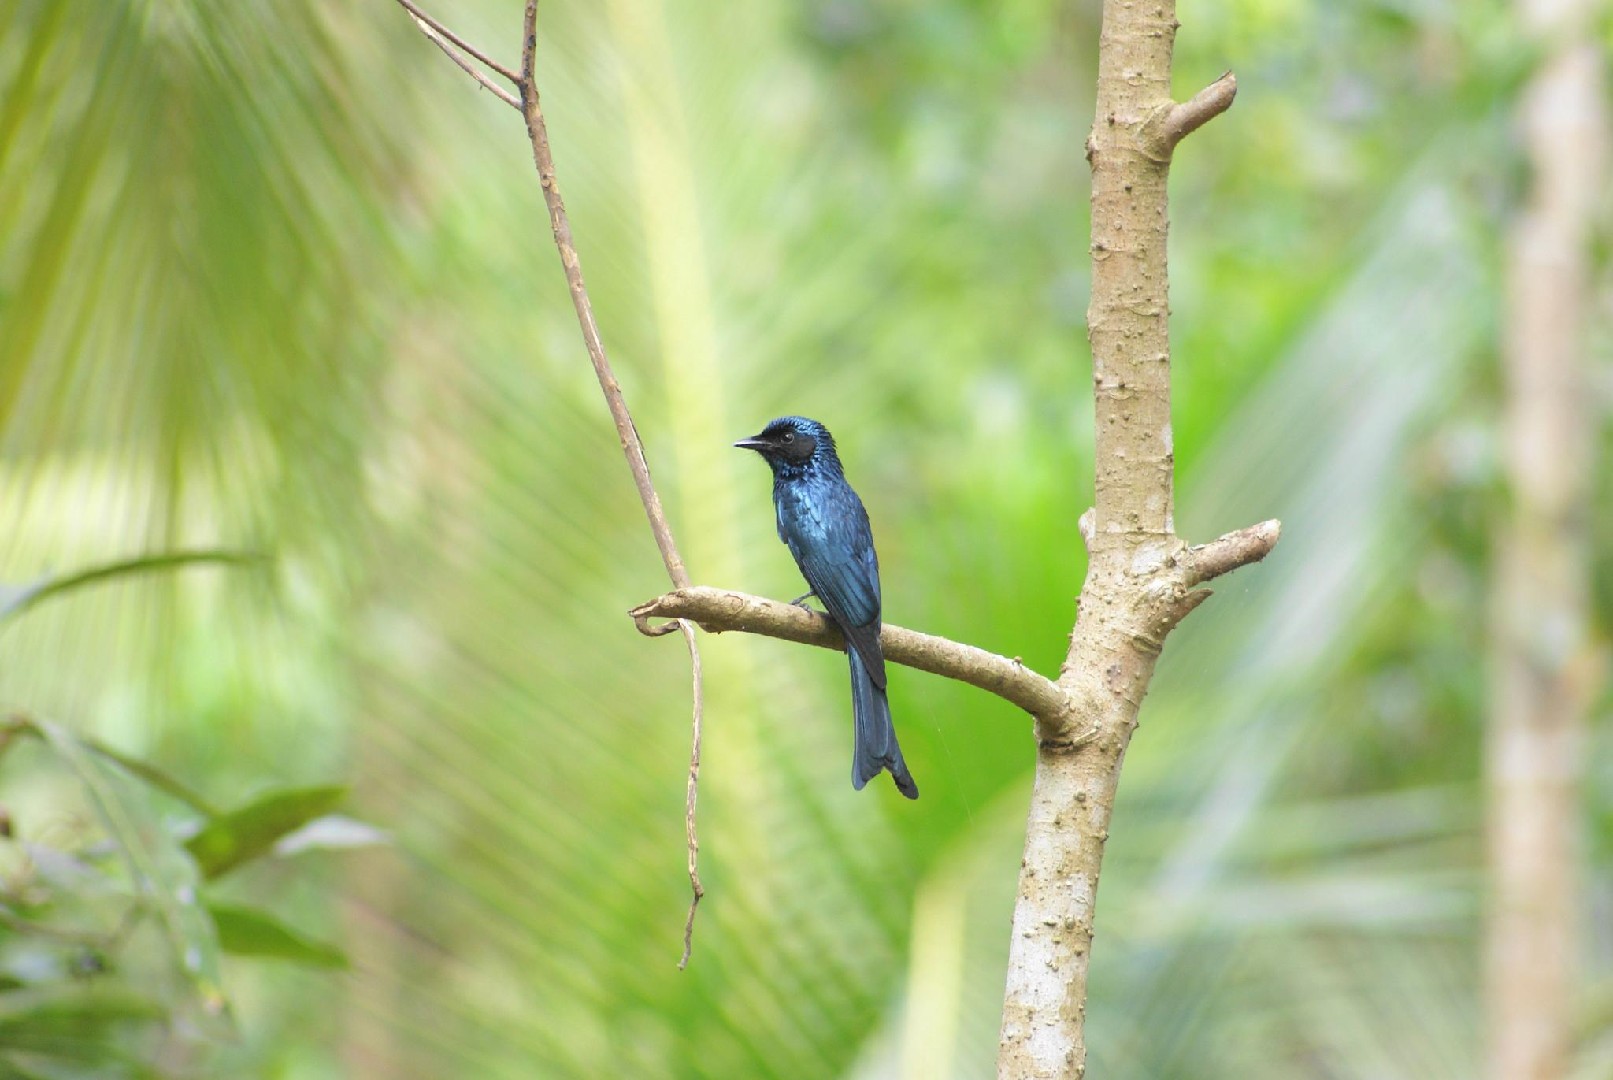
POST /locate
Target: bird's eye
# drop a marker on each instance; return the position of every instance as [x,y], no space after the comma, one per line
[789,436]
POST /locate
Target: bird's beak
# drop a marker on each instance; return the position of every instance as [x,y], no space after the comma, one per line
[755,442]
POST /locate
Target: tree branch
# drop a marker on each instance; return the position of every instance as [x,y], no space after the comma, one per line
[421,17]
[529,49]
[720,610]
[1225,554]
[441,40]
[1188,116]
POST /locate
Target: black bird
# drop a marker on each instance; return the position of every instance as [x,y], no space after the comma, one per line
[823,523]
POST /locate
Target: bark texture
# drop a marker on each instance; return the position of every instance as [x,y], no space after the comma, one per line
[719,610]
[1542,661]
[1141,578]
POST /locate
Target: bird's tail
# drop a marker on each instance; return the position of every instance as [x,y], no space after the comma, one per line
[876,747]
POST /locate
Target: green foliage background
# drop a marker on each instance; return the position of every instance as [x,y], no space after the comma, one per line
[275,276]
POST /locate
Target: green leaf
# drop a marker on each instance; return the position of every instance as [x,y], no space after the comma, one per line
[228,840]
[251,932]
[157,865]
[15,599]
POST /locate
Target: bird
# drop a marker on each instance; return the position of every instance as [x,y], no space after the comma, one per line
[823,523]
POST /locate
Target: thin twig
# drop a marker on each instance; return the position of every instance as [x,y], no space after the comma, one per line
[441,42]
[632,447]
[420,16]
[691,795]
[626,431]
[560,224]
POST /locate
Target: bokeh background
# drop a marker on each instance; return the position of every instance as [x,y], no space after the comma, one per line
[275,276]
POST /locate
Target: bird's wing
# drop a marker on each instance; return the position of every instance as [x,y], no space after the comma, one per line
[848,585]
[834,547]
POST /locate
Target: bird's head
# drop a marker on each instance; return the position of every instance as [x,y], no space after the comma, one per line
[791,442]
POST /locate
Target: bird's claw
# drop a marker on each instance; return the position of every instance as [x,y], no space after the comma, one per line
[801,601]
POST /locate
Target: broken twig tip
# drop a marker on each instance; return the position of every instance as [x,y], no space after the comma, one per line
[1235,549]
[1204,106]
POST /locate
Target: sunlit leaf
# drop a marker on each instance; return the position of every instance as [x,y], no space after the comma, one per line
[241,835]
[333,832]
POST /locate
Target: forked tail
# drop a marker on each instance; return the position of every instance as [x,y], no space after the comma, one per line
[876,748]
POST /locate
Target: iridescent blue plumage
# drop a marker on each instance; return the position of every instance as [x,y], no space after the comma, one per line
[823,523]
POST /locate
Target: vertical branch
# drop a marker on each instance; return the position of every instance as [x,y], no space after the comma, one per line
[1541,654]
[1127,318]
[1141,578]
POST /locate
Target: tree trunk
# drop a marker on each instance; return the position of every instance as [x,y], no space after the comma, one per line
[1141,578]
[1541,663]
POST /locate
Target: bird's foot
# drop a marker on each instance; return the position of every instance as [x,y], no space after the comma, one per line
[801,601]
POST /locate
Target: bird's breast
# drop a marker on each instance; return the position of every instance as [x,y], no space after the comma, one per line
[801,516]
